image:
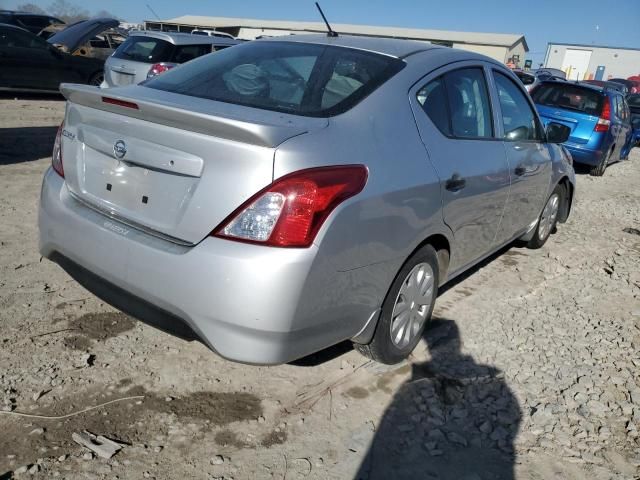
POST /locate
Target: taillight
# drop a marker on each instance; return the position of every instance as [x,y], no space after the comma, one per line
[56,156]
[159,68]
[290,211]
[605,117]
[120,103]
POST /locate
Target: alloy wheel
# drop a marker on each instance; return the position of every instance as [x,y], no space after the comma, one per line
[549,215]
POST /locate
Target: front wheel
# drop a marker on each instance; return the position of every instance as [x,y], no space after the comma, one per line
[548,219]
[406,309]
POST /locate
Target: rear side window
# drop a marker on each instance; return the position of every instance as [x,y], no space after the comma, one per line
[569,97]
[458,104]
[184,53]
[145,49]
[289,77]
[518,119]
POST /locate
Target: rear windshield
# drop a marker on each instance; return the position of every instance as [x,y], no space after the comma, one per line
[145,49]
[297,78]
[569,97]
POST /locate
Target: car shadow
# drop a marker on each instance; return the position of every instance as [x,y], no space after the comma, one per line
[25,144]
[452,419]
[31,96]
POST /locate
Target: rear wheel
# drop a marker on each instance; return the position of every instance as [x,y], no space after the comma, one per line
[599,169]
[548,218]
[406,309]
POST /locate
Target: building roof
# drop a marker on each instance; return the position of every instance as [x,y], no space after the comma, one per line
[562,44]
[496,39]
[393,47]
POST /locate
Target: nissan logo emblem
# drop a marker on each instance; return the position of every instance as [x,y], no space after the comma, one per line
[119,149]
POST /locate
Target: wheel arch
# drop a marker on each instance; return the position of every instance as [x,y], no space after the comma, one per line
[567,201]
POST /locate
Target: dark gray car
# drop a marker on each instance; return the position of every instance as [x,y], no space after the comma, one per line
[285,195]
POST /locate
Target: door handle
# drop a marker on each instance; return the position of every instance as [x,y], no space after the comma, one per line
[520,170]
[455,183]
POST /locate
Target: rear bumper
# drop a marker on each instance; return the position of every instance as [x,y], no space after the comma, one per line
[585,156]
[248,303]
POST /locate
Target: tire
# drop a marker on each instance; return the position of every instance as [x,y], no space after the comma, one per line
[548,218]
[391,342]
[96,79]
[599,169]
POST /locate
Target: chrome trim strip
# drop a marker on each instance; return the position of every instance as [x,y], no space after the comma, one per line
[129,223]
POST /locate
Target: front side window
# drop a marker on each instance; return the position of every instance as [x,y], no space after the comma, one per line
[458,104]
[298,78]
[518,119]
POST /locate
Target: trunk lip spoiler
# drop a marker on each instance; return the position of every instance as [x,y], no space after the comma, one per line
[254,132]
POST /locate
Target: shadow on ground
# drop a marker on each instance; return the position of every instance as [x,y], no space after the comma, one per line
[25,144]
[453,419]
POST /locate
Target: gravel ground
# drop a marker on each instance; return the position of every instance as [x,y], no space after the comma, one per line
[529,369]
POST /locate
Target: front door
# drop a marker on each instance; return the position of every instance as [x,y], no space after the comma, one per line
[529,156]
[454,117]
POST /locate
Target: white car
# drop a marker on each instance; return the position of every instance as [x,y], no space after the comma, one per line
[146,54]
[212,33]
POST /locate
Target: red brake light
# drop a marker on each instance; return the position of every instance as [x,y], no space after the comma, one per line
[56,157]
[158,68]
[605,117]
[120,103]
[290,211]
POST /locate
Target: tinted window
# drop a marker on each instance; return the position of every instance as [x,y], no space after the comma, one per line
[184,53]
[634,101]
[33,21]
[303,79]
[145,49]
[433,99]
[468,103]
[16,38]
[570,97]
[518,119]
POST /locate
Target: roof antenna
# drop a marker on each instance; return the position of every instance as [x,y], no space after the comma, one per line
[330,32]
[153,11]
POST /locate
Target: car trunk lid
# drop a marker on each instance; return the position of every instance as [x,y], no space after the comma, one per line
[79,33]
[581,124]
[169,164]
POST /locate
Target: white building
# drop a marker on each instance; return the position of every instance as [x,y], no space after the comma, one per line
[593,62]
[503,47]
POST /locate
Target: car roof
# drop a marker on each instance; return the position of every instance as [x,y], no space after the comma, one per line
[26,14]
[386,46]
[184,38]
[15,27]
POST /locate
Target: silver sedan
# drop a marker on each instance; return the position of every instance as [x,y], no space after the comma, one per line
[285,195]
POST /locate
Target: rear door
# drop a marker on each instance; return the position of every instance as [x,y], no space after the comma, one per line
[529,156]
[27,61]
[454,117]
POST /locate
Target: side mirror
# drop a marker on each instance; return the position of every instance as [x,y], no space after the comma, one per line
[557,133]
[517,134]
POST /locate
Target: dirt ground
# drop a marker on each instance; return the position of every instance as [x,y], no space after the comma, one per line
[529,369]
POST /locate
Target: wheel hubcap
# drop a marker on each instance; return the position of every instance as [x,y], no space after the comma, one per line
[412,305]
[549,215]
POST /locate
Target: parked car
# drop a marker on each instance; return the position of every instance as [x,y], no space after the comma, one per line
[212,33]
[101,45]
[632,87]
[149,53]
[30,63]
[598,117]
[634,106]
[32,22]
[531,79]
[282,196]
[550,72]
[608,83]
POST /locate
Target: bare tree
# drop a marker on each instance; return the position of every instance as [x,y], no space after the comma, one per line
[105,14]
[67,11]
[31,8]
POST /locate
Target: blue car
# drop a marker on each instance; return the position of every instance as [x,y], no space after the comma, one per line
[599,119]
[633,101]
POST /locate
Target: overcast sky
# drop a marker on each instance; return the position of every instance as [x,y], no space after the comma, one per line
[614,23]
